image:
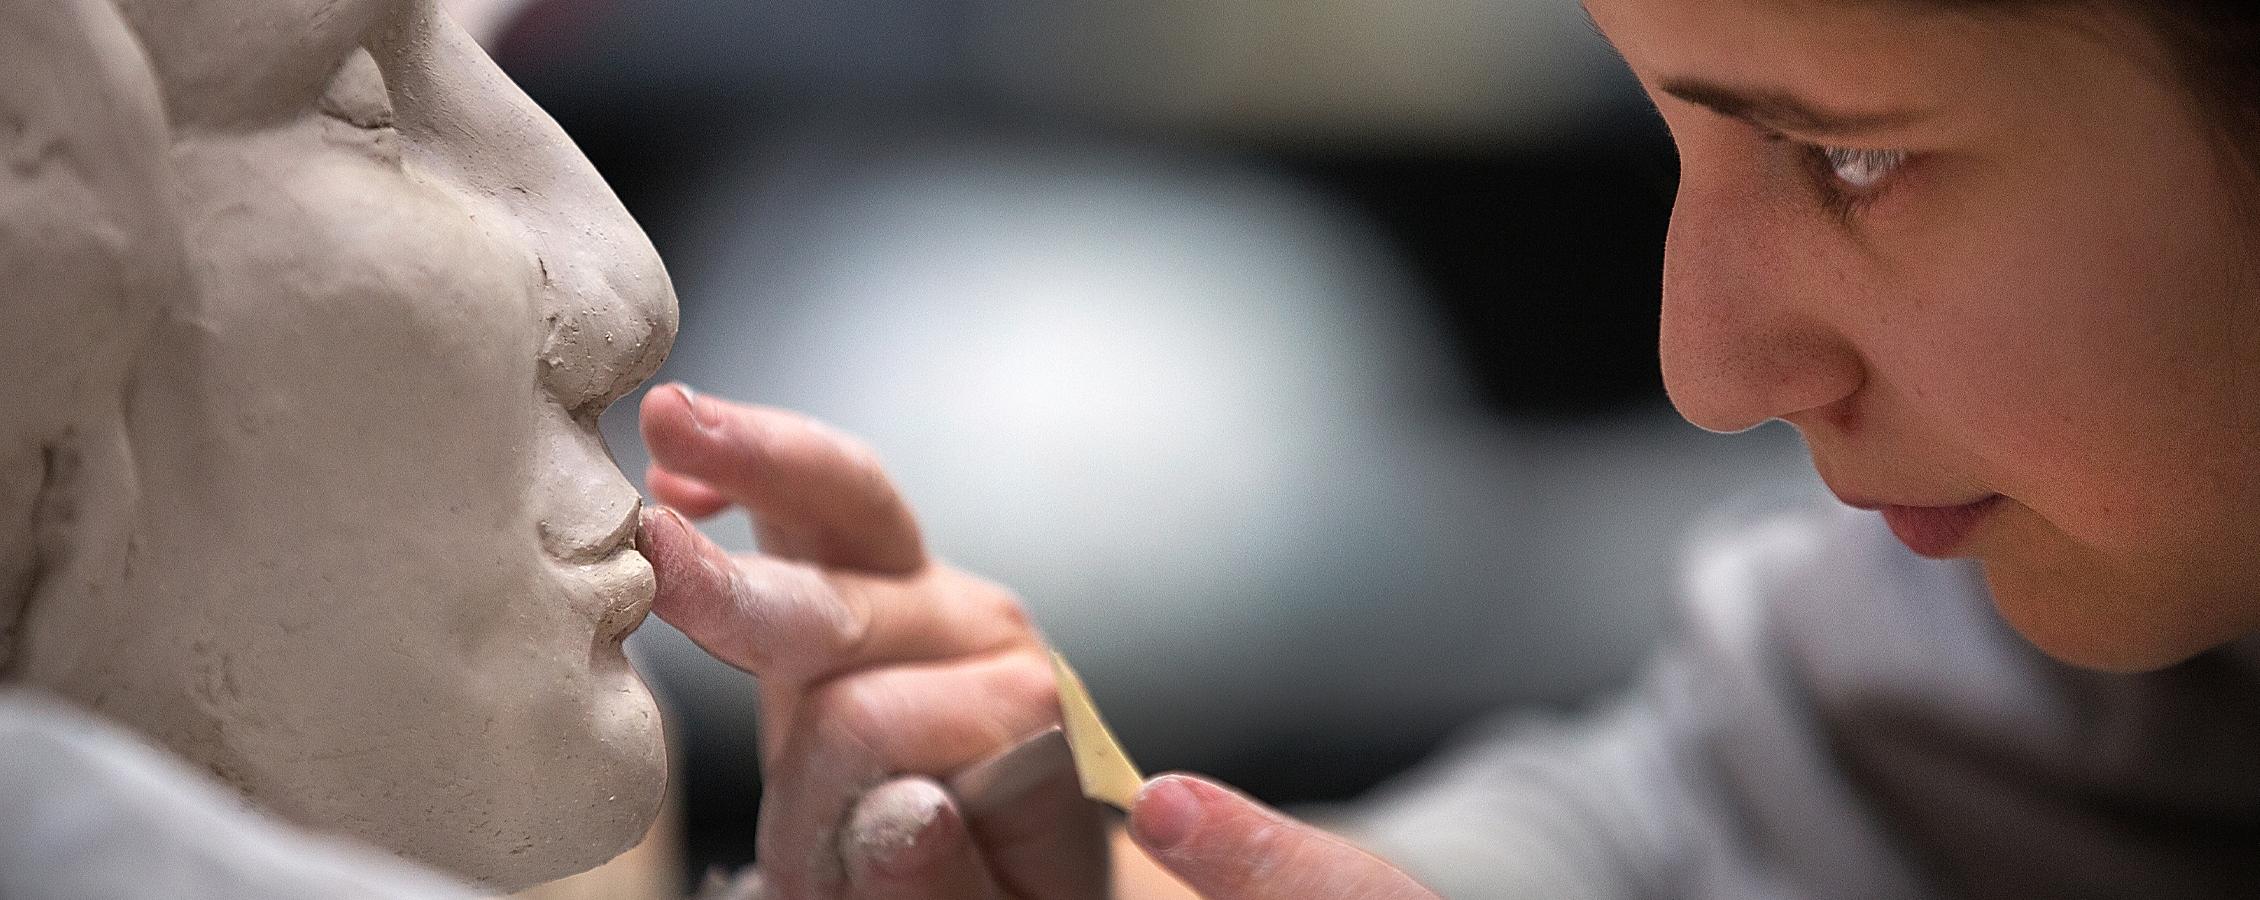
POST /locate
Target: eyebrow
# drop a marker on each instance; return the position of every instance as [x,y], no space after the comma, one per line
[1780,111]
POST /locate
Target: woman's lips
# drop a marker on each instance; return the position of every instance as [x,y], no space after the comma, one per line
[1935,531]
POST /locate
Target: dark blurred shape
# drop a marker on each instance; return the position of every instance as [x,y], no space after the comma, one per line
[1543,261]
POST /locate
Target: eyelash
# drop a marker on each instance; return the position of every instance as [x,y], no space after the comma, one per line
[1844,197]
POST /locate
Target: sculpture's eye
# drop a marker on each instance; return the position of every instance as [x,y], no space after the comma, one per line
[358,110]
[357,95]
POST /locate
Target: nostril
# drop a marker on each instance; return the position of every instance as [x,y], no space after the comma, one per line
[1842,416]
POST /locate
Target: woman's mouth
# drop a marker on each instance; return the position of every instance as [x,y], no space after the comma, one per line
[1935,531]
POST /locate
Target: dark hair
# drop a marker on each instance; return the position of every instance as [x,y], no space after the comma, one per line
[2214,47]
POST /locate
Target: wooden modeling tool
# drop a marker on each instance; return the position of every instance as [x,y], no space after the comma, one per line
[1084,744]
[996,782]
[1106,773]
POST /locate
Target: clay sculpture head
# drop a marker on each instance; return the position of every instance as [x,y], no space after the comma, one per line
[310,315]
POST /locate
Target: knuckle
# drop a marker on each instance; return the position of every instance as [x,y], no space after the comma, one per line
[754,439]
[1027,683]
[858,456]
[846,629]
[855,709]
[795,609]
[868,473]
[1257,861]
[840,448]
[995,603]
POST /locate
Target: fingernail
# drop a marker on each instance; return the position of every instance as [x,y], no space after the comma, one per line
[654,521]
[675,520]
[1166,812]
[897,829]
[704,414]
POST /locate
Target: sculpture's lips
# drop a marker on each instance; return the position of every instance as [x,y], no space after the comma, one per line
[614,579]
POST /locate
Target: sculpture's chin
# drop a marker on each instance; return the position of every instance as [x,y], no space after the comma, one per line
[507,788]
[582,807]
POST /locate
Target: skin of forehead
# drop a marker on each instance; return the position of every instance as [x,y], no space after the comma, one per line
[1883,56]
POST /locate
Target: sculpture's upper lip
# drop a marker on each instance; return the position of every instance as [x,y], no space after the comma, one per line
[623,534]
[568,547]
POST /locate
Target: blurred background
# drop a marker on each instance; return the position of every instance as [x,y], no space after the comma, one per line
[1294,359]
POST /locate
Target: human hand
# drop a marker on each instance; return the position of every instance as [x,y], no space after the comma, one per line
[1229,847]
[881,669]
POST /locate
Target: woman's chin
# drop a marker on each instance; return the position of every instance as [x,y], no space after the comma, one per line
[2105,621]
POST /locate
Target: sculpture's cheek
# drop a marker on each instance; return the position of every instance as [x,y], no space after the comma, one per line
[354,595]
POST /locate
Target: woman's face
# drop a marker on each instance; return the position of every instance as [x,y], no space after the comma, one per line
[381,563]
[1994,269]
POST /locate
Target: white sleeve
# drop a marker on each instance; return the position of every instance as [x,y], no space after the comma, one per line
[1712,777]
[89,812]
[1604,805]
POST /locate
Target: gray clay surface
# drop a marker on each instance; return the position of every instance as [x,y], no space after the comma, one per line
[309,314]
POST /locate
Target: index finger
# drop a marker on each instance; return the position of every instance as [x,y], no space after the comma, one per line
[792,622]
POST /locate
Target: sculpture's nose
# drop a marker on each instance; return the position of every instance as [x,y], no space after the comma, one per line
[601,292]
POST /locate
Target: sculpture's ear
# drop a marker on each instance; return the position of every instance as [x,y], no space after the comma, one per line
[90,251]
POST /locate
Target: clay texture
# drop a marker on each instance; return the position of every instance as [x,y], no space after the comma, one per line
[310,314]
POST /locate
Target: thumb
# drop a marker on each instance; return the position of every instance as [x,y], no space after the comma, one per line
[1229,847]
[908,840]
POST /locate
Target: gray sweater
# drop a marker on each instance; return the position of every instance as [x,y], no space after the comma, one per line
[1839,718]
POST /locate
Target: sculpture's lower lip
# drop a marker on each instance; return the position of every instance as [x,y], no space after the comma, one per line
[621,587]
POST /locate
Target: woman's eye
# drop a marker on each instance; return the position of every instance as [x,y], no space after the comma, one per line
[1862,170]
[1840,180]
[1845,180]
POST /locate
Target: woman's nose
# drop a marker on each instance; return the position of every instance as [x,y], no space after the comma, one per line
[1746,333]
